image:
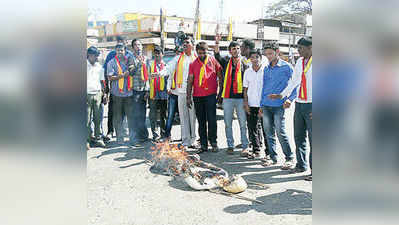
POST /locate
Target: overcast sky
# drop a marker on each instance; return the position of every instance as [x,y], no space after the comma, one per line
[209,9]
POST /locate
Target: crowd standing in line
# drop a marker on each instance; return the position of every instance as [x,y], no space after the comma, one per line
[256,84]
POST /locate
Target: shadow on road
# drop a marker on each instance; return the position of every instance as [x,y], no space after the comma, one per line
[234,164]
[121,149]
[291,201]
[140,153]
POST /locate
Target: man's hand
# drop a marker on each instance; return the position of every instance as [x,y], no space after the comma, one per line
[141,58]
[287,104]
[219,99]
[217,39]
[126,73]
[104,99]
[275,96]
[169,92]
[260,112]
[131,68]
[246,108]
[310,115]
[146,96]
[154,75]
[189,102]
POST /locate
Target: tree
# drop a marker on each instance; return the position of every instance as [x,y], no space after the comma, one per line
[282,8]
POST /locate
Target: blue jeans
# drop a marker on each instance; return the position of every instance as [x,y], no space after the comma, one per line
[229,104]
[302,123]
[139,129]
[274,122]
[172,108]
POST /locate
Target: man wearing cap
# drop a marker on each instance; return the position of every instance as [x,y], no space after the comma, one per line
[178,70]
[95,89]
[121,91]
[111,55]
[275,80]
[203,78]
[302,79]
[158,93]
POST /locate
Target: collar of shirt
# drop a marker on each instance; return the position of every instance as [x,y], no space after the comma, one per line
[252,68]
[279,63]
[91,65]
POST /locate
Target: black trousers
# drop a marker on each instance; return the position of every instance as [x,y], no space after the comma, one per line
[158,107]
[205,110]
[302,129]
[110,123]
[255,130]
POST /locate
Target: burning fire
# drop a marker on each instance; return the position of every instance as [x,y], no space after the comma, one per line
[174,160]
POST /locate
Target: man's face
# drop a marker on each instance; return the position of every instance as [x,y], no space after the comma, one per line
[235,51]
[92,58]
[158,56]
[304,50]
[120,51]
[137,46]
[122,42]
[255,59]
[187,45]
[244,50]
[270,54]
[201,54]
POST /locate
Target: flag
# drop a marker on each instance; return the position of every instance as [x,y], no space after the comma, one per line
[198,36]
[230,37]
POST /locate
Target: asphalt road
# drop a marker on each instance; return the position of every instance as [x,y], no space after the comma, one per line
[122,190]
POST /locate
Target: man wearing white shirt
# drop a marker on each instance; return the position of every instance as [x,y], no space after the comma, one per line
[178,70]
[95,79]
[253,83]
[302,80]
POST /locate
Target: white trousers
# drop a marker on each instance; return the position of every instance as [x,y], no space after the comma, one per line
[187,121]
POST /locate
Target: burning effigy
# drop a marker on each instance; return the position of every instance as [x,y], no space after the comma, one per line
[172,159]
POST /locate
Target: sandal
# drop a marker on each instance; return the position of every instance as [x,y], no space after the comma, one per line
[244,153]
[308,178]
[230,151]
[269,163]
[215,149]
[288,165]
[253,155]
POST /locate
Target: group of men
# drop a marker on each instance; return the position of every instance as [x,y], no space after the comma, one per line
[256,84]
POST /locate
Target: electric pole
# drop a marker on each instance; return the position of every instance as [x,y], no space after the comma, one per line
[161,21]
[196,19]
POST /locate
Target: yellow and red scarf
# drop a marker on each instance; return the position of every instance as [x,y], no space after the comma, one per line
[158,83]
[202,78]
[144,72]
[178,74]
[303,91]
[122,80]
[237,84]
